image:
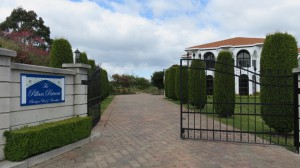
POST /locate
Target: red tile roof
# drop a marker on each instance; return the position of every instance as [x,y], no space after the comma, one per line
[237,41]
[298,50]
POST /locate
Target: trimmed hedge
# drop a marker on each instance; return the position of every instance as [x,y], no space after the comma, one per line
[171,82]
[104,85]
[167,83]
[279,56]
[197,84]
[184,84]
[83,58]
[61,52]
[224,95]
[29,141]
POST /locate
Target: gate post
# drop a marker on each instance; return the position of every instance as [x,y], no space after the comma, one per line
[296,72]
[80,90]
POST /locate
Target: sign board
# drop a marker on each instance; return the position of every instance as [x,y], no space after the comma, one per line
[42,89]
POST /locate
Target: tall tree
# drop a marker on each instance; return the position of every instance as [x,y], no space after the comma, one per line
[21,20]
[157,79]
[278,58]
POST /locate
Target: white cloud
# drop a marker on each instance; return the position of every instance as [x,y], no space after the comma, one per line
[141,37]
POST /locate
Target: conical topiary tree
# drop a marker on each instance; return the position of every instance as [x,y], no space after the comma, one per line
[61,52]
[171,80]
[278,58]
[83,58]
[224,95]
[184,83]
[197,83]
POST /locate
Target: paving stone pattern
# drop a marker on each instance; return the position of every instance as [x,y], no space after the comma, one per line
[143,131]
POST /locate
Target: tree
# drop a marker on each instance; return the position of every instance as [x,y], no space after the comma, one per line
[184,83]
[21,20]
[26,53]
[279,56]
[171,82]
[92,63]
[167,83]
[197,84]
[61,52]
[157,79]
[83,58]
[224,94]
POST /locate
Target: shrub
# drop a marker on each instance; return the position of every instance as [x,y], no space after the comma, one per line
[157,79]
[29,141]
[224,94]
[83,58]
[171,82]
[61,52]
[197,84]
[167,83]
[153,90]
[184,83]
[279,56]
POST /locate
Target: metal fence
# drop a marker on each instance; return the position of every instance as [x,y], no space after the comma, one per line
[247,124]
[94,96]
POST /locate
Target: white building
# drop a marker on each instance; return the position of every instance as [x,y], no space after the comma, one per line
[246,54]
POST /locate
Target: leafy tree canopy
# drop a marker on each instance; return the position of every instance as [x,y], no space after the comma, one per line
[22,20]
[157,79]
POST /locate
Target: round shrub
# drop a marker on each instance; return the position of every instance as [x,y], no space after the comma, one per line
[197,84]
[224,95]
[61,52]
[184,86]
[279,56]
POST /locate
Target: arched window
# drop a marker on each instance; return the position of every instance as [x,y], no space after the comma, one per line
[243,59]
[209,60]
[209,85]
[244,85]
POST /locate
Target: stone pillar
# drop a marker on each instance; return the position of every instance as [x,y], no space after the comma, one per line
[5,75]
[80,90]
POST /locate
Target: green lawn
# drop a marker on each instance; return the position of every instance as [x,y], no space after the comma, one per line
[246,118]
[106,102]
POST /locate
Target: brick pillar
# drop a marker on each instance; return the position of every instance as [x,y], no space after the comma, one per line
[80,91]
[5,73]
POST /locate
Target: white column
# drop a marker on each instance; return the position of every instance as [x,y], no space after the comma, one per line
[5,76]
[80,91]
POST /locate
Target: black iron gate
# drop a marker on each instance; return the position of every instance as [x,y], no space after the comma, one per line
[94,96]
[246,124]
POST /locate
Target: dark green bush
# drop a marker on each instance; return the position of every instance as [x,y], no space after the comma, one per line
[29,141]
[184,83]
[104,84]
[171,81]
[197,84]
[61,52]
[83,58]
[167,83]
[279,56]
[224,94]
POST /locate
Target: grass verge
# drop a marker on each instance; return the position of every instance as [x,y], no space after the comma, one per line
[106,102]
[246,118]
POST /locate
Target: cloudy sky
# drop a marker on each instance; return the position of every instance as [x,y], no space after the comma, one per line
[142,36]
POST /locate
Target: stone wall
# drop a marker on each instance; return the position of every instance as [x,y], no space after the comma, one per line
[13,115]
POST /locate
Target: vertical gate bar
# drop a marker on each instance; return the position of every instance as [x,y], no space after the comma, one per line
[296,113]
[180,92]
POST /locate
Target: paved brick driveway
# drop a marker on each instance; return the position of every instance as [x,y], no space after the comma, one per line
[143,131]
